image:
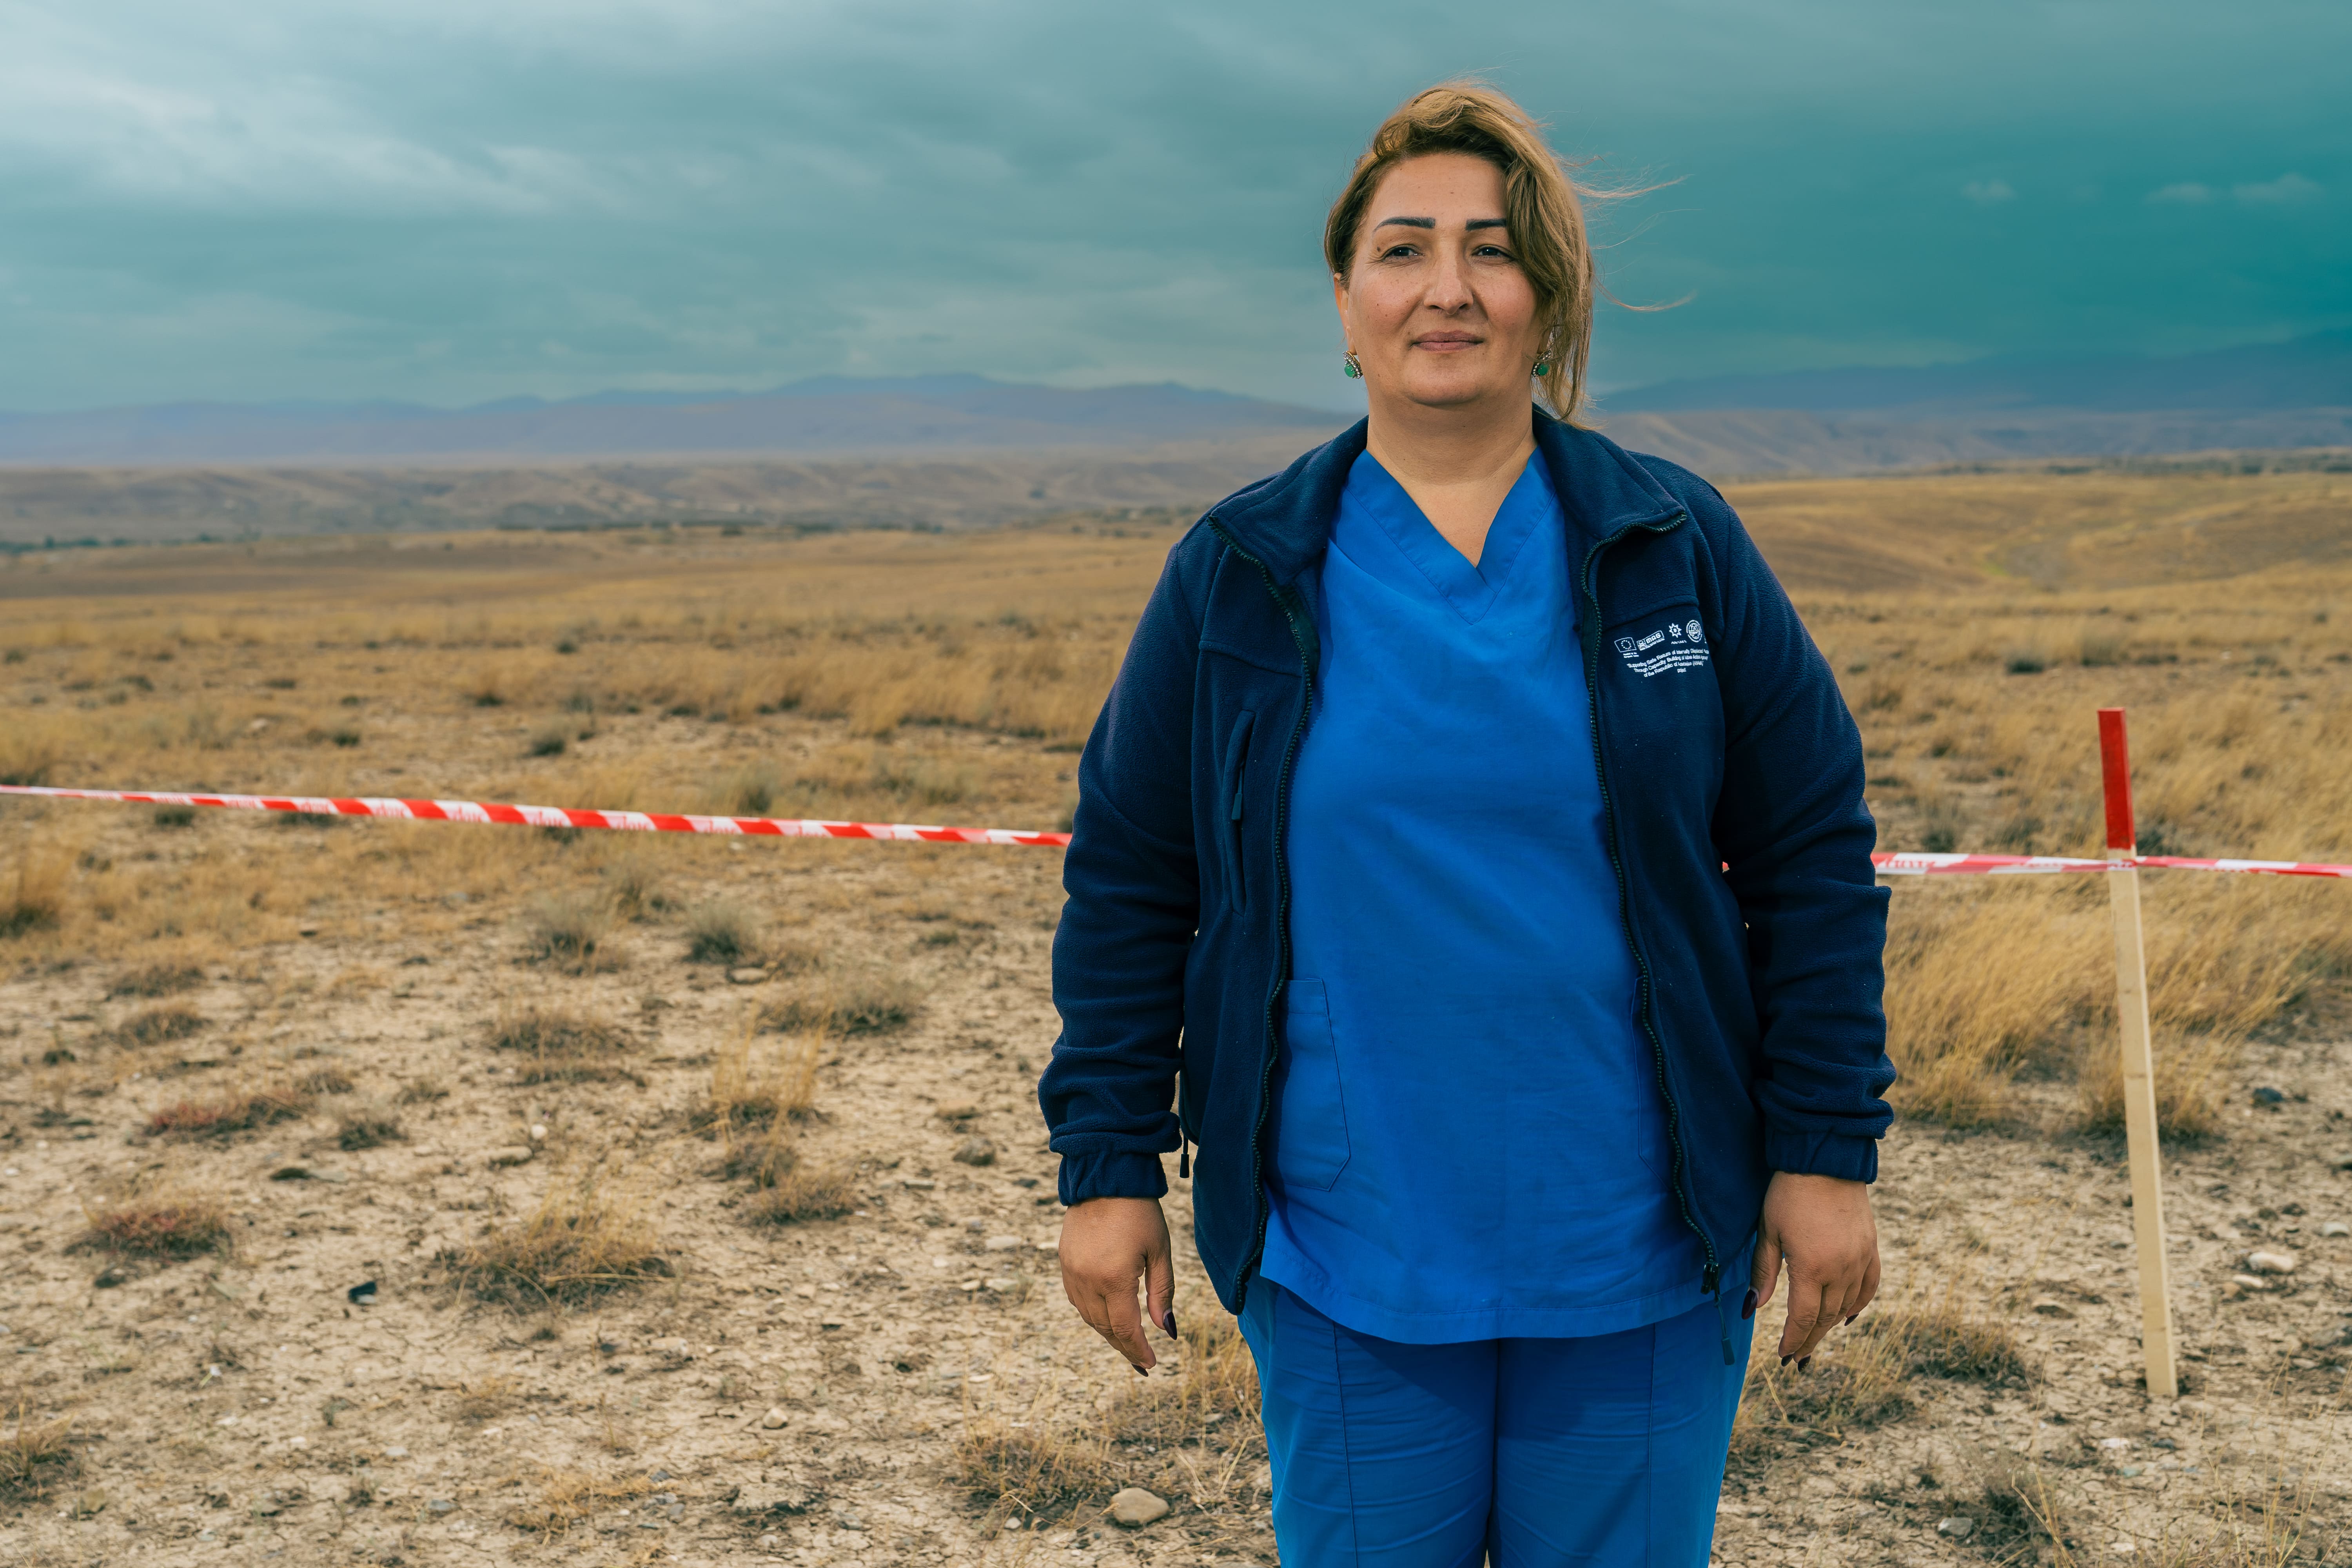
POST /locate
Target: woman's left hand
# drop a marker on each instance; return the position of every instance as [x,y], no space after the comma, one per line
[1823,1227]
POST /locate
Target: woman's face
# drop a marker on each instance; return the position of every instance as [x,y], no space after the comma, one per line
[1434,303]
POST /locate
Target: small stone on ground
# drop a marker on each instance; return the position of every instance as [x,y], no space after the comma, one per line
[1134,1508]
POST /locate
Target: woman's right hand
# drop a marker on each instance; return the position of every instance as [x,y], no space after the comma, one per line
[1108,1244]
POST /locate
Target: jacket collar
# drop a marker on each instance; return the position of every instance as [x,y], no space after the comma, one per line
[1285,522]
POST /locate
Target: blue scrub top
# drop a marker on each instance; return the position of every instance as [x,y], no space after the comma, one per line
[1468,1138]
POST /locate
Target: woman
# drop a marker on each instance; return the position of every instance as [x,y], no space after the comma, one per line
[1473,849]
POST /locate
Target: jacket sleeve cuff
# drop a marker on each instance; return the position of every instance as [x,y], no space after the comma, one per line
[1111,1174]
[1839,1154]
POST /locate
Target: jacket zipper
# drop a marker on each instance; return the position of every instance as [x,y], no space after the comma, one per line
[1281,906]
[1711,1279]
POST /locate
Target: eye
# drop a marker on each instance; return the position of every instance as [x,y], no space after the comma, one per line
[1394,251]
[1495,250]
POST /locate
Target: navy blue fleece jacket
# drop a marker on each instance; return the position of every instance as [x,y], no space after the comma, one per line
[1733,780]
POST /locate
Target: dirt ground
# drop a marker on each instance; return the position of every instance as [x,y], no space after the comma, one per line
[902,1382]
[237,1405]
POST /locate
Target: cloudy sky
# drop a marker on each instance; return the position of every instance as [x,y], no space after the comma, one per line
[449,201]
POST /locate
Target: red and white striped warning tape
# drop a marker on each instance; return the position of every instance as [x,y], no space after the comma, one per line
[1911,864]
[560,817]
[1889,865]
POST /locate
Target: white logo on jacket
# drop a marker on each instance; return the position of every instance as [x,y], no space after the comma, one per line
[1686,649]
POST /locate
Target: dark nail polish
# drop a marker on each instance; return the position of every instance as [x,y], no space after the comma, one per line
[1786,1360]
[1139,1371]
[1806,1365]
[1849,1322]
[1748,1305]
[1171,1322]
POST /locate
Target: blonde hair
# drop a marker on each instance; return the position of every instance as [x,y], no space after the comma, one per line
[1541,202]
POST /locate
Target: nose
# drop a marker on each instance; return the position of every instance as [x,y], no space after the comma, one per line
[1449,284]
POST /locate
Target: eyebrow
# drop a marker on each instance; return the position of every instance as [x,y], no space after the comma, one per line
[1432,223]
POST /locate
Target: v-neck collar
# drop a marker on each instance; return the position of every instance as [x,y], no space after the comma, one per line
[1471,591]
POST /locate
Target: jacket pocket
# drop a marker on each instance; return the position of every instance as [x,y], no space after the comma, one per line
[1311,1147]
[1229,811]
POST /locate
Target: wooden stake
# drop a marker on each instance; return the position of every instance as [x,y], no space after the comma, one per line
[2139,1074]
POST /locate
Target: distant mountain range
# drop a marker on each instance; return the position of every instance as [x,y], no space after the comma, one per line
[829,415]
[2314,372]
[824,445]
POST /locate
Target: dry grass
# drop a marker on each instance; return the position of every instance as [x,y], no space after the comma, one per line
[158,1223]
[722,933]
[784,1190]
[36,1456]
[367,1128]
[325,1080]
[493,1394]
[570,1497]
[583,1241]
[800,1194]
[758,1081]
[860,1002]
[572,932]
[1028,1472]
[1861,1377]
[164,978]
[235,1111]
[1214,1396]
[34,897]
[158,1026]
[564,1047]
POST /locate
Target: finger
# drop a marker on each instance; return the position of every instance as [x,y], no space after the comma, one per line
[1089,1301]
[1124,1330]
[1832,1297]
[1159,1289]
[1869,1284]
[1764,1274]
[1803,1327]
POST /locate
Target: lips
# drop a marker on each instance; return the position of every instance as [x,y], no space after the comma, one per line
[1447,342]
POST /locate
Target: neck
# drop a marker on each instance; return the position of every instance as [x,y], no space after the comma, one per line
[1445,447]
[1457,464]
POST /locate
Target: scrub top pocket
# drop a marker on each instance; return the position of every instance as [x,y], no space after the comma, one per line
[1311,1135]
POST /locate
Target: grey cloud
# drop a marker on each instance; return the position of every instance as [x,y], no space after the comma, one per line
[460,202]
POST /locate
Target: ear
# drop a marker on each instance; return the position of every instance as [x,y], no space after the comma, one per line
[1339,302]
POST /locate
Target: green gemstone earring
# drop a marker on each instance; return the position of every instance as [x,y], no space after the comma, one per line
[1352,367]
[1543,368]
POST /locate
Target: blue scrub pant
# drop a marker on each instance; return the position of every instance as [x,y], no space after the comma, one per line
[1605,1451]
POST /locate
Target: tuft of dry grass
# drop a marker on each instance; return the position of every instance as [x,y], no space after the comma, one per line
[572,932]
[158,1026]
[486,1397]
[757,1082]
[721,933]
[325,1080]
[580,1242]
[1214,1395]
[159,1224]
[863,1002]
[367,1128]
[564,1047]
[34,1456]
[2188,1093]
[569,1497]
[1860,1377]
[784,1190]
[421,1091]
[238,1111]
[1030,1471]
[802,1194]
[160,979]
[36,896]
